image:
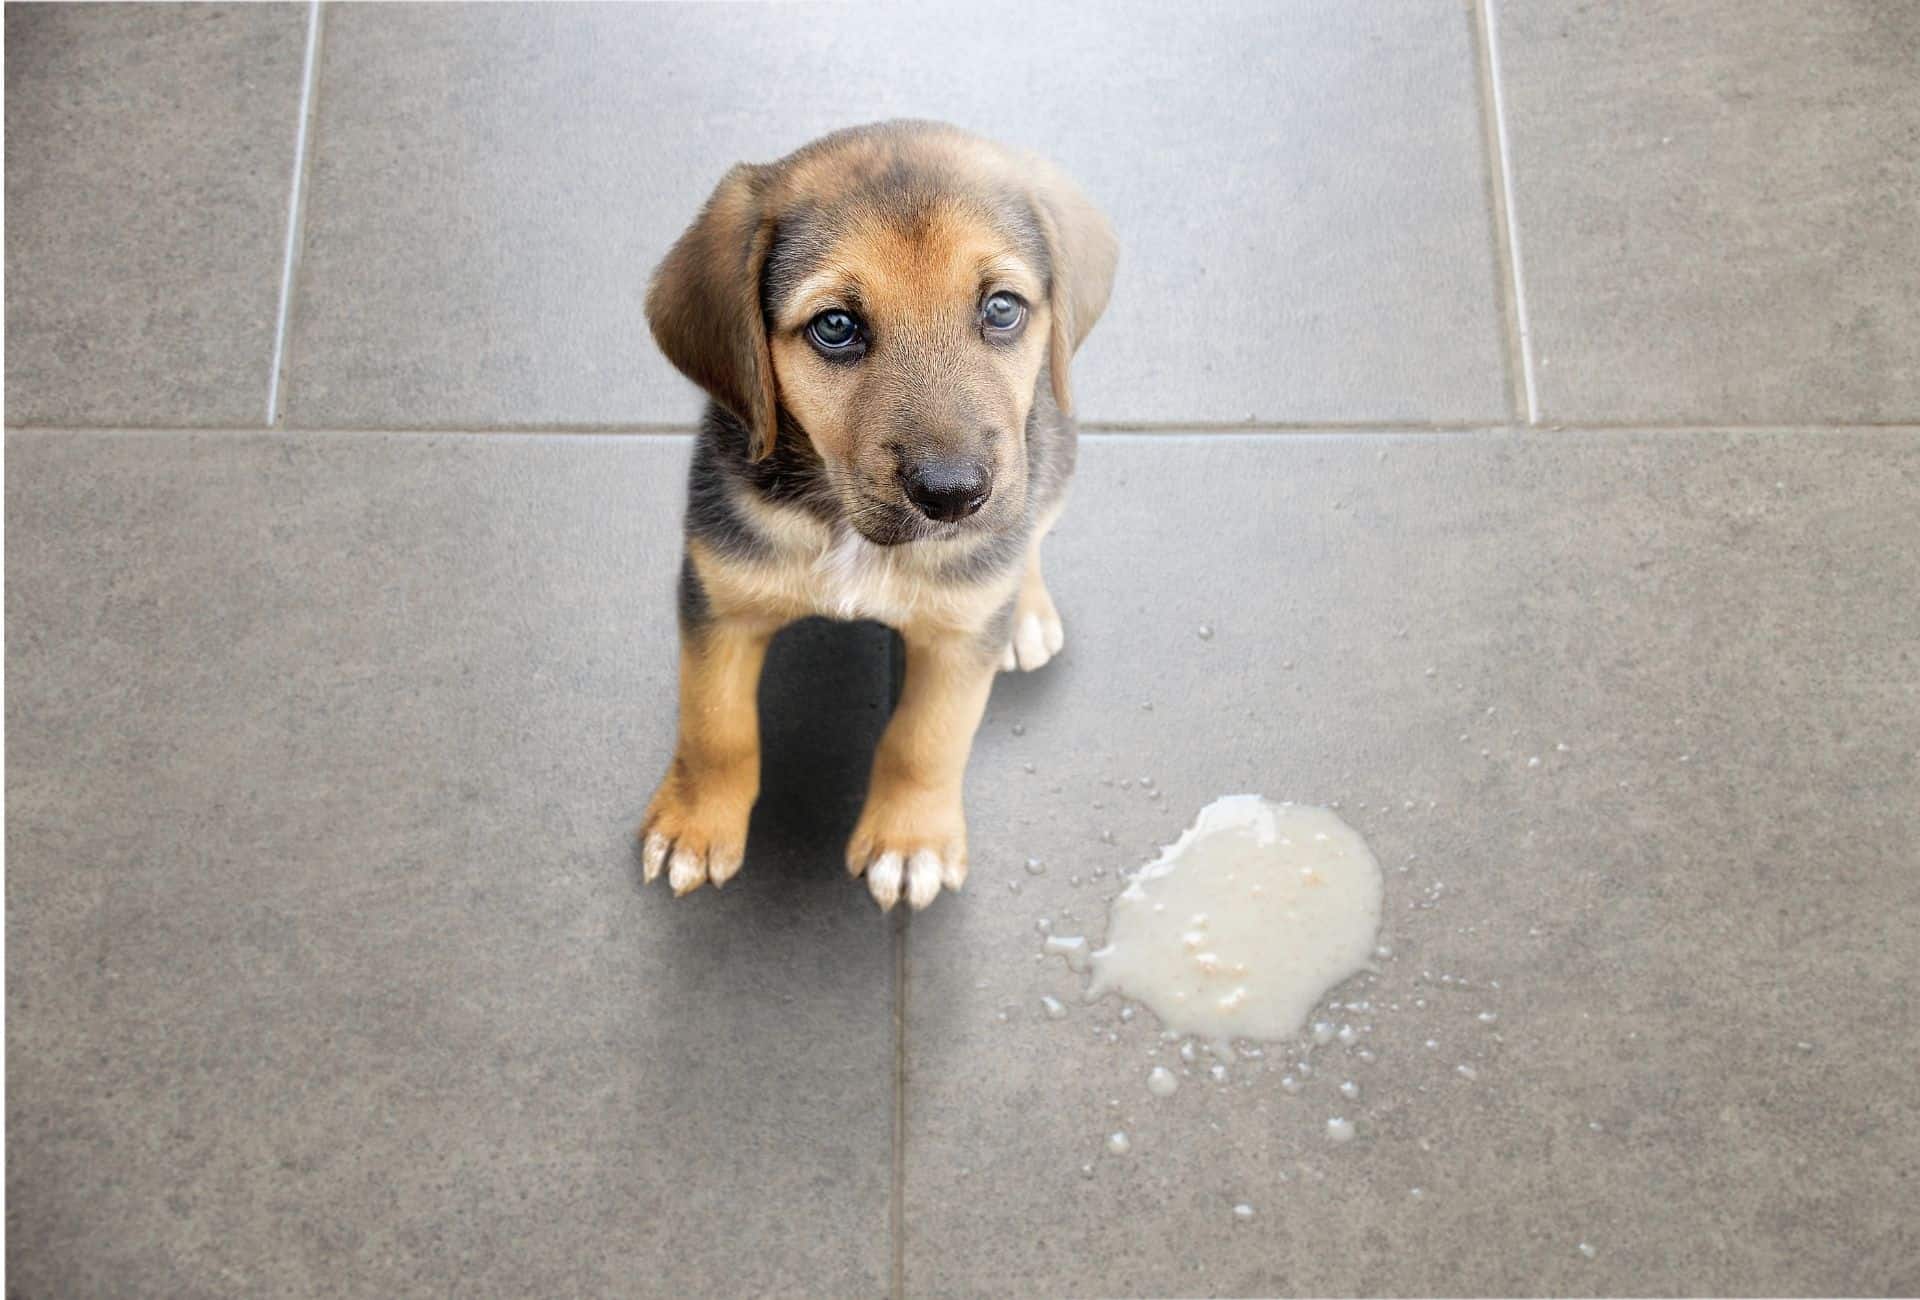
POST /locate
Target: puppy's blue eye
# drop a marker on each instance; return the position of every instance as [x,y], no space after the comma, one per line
[1002,311]
[834,331]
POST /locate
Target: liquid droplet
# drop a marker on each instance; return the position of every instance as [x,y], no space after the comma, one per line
[1071,946]
[1350,1090]
[1055,1009]
[1290,1084]
[1119,1143]
[1339,1129]
[1206,631]
[1586,1248]
[1019,728]
[1035,867]
[1488,1017]
[1243,1212]
[1467,1072]
[1162,1082]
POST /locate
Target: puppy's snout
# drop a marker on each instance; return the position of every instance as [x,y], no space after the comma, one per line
[949,489]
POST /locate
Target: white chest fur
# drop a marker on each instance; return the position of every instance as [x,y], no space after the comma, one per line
[820,568]
[857,579]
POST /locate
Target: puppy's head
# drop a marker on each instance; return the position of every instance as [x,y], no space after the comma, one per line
[897,291]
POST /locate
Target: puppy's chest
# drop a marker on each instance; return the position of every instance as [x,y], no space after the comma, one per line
[852,578]
[814,568]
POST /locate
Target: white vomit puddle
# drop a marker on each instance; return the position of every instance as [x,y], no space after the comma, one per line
[1244,924]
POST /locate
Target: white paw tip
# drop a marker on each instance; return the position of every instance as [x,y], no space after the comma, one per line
[923,878]
[688,871]
[883,880]
[1030,643]
[1007,662]
[654,858]
[722,867]
[1056,636]
[953,873]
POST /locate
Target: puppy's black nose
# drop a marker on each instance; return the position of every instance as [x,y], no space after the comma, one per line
[947,489]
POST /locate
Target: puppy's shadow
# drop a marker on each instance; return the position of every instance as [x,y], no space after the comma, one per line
[825,697]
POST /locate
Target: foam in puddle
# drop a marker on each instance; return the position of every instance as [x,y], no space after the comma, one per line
[1240,927]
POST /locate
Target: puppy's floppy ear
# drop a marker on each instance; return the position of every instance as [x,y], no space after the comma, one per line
[1084,253]
[704,304]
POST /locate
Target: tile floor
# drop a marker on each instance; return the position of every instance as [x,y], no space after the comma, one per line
[1501,380]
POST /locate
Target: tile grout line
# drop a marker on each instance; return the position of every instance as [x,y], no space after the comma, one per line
[1095,429]
[897,1148]
[897,1190]
[1512,367]
[1506,213]
[296,201]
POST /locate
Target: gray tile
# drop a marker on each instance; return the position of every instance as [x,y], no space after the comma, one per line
[327,968]
[149,158]
[1299,192]
[1718,866]
[1716,207]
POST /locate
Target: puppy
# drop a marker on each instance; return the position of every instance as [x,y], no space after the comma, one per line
[884,322]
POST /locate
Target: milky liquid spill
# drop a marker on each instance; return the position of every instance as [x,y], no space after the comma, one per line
[1241,926]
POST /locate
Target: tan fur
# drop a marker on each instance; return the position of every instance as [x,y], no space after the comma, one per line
[913,805]
[696,825]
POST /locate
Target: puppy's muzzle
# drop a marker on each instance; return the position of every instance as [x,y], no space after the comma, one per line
[947,490]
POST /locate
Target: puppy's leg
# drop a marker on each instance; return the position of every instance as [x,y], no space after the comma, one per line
[1037,635]
[912,834]
[696,826]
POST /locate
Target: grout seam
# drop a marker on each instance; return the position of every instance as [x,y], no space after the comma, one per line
[1511,364]
[897,1183]
[1506,212]
[1099,430]
[296,203]
[897,1148]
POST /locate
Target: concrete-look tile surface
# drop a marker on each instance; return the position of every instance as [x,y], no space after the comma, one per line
[328,971]
[149,157]
[1715,204]
[1299,191]
[1631,724]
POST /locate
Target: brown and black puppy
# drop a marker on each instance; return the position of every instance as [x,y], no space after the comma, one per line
[884,320]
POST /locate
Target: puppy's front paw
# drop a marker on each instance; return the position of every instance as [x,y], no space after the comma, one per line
[911,846]
[1037,631]
[694,835]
